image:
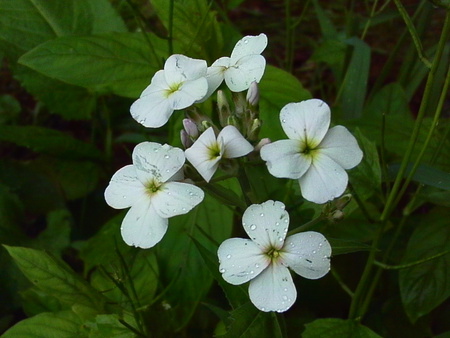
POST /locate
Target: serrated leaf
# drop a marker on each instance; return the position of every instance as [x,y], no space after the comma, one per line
[248,322]
[423,287]
[59,324]
[337,328]
[55,277]
[49,141]
[117,63]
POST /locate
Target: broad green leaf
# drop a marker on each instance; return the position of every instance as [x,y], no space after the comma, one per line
[337,328]
[55,277]
[9,109]
[195,29]
[277,88]
[56,236]
[11,217]
[366,176]
[333,53]
[105,17]
[355,81]
[235,294]
[117,63]
[181,264]
[59,324]
[426,175]
[248,322]
[35,301]
[423,287]
[326,26]
[49,141]
[108,326]
[389,100]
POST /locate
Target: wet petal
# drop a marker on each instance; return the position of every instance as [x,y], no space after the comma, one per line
[273,289]
[176,198]
[266,224]
[142,227]
[188,93]
[341,146]
[324,181]
[240,260]
[307,121]
[308,254]
[234,144]
[249,69]
[124,189]
[179,68]
[155,161]
[215,75]
[248,45]
[284,159]
[152,110]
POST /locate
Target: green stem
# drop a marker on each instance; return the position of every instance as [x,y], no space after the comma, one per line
[170,37]
[409,265]
[366,26]
[341,283]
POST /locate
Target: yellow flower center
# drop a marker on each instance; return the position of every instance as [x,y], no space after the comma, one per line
[174,87]
[152,187]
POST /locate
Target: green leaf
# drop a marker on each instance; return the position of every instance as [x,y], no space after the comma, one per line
[108,326]
[425,175]
[326,26]
[105,17]
[56,236]
[49,141]
[337,328]
[355,80]
[59,324]
[423,287]
[248,322]
[194,27]
[9,109]
[343,246]
[366,177]
[11,217]
[277,89]
[117,63]
[181,263]
[55,278]
[389,100]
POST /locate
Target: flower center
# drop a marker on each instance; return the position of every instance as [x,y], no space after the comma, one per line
[152,187]
[273,254]
[214,151]
[174,87]
[307,148]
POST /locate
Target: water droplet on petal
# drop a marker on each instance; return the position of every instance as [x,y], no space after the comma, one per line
[228,256]
[166,156]
[280,239]
[320,244]
[222,270]
[285,297]
[261,214]
[285,289]
[252,272]
[277,223]
[314,251]
[283,120]
[292,245]
[253,227]
[245,41]
[256,265]
[286,220]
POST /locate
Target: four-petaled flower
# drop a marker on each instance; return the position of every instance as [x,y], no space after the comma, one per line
[244,66]
[264,259]
[208,150]
[315,155]
[179,85]
[148,186]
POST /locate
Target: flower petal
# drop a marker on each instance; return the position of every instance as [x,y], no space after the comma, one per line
[155,161]
[284,159]
[273,289]
[341,146]
[240,260]
[176,198]
[248,45]
[324,181]
[199,154]
[266,224]
[179,68]
[152,110]
[234,144]
[124,189]
[248,69]
[308,254]
[307,121]
[142,227]
[188,93]
[215,75]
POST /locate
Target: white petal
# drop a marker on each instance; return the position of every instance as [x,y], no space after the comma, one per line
[273,289]
[284,159]
[324,181]
[179,68]
[249,69]
[234,144]
[155,161]
[142,227]
[306,121]
[308,254]
[176,198]
[188,93]
[341,146]
[240,260]
[124,189]
[152,110]
[266,224]
[199,154]
[215,75]
[248,45]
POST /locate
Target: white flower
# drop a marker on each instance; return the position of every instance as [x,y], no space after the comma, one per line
[264,259]
[246,65]
[208,150]
[148,187]
[179,85]
[314,154]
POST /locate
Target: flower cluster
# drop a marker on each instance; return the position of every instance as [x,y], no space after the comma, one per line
[154,186]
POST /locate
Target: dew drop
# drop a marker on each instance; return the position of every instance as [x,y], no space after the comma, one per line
[253,227]
[222,270]
[280,239]
[286,220]
[320,244]
[124,197]
[285,289]
[283,120]
[261,214]
[257,265]
[285,297]
[292,245]
[263,309]
[155,150]
[184,209]
[277,223]
[166,156]
[252,272]
[167,171]
[314,252]
[228,256]
[245,41]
